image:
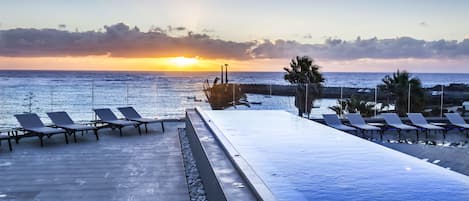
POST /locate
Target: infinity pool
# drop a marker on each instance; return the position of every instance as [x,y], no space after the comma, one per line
[298,159]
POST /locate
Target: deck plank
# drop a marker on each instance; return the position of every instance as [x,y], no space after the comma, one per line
[132,167]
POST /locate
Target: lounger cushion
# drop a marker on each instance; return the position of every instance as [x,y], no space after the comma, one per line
[121,122]
[129,112]
[343,127]
[366,127]
[60,118]
[145,120]
[77,127]
[46,130]
[105,114]
[4,136]
[462,125]
[429,126]
[403,126]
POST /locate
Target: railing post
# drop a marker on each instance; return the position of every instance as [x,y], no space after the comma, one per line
[306,99]
[52,98]
[92,99]
[340,101]
[233,95]
[442,100]
[126,93]
[408,100]
[156,100]
[376,100]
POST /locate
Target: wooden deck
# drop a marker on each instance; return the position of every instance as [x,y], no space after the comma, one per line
[132,167]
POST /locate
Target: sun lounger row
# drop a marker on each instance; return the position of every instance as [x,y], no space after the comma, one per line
[64,125]
[392,120]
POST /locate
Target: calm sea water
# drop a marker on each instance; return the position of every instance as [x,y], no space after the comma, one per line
[164,94]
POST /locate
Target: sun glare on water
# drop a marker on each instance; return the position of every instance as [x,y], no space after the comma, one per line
[183,61]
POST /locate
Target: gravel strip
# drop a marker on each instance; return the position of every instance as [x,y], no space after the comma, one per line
[194,182]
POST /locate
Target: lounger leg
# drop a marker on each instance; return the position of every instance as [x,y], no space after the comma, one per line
[96,133]
[162,126]
[75,136]
[9,144]
[120,131]
[139,131]
[66,138]
[146,128]
[17,139]
[40,139]
[417,135]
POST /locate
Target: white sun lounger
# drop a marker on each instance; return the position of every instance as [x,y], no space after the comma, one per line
[107,116]
[333,121]
[63,120]
[419,121]
[132,115]
[357,121]
[394,121]
[456,120]
[31,123]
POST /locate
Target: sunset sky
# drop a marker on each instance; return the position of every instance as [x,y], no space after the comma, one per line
[200,35]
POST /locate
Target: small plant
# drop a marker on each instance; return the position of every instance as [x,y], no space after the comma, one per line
[222,96]
[29,102]
[354,105]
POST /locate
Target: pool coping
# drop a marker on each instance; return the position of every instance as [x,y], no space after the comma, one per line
[257,188]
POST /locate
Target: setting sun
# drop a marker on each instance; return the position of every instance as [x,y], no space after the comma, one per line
[183,61]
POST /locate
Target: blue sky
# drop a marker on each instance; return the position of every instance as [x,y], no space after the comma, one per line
[301,20]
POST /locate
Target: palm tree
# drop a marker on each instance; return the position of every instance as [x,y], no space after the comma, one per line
[397,87]
[305,74]
[354,105]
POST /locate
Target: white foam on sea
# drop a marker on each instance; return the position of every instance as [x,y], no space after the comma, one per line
[5,164]
[436,161]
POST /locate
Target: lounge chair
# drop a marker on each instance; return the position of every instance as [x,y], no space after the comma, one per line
[107,116]
[419,121]
[333,121]
[394,121]
[132,115]
[357,121]
[63,120]
[456,120]
[6,136]
[31,123]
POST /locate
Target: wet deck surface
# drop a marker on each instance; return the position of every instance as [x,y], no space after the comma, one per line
[132,167]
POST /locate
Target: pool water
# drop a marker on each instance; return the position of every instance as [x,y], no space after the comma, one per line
[301,160]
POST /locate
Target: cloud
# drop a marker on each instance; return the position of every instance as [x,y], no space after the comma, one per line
[173,29]
[62,26]
[423,24]
[337,49]
[120,40]
[117,40]
[208,30]
[308,36]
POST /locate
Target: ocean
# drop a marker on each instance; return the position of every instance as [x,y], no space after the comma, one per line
[162,94]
